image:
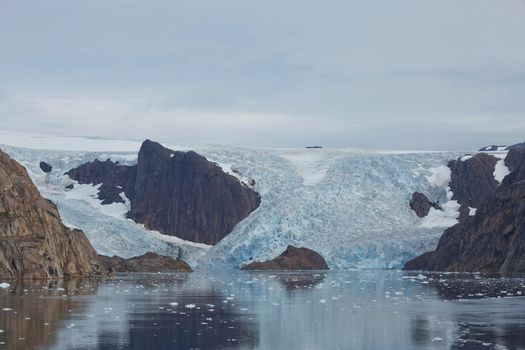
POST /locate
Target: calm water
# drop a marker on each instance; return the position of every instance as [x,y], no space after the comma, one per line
[247,310]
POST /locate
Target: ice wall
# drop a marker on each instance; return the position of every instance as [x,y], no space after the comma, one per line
[349,205]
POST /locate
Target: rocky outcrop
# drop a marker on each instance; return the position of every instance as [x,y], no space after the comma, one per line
[149,262]
[421,205]
[176,193]
[113,178]
[472,180]
[292,258]
[34,243]
[491,241]
[46,168]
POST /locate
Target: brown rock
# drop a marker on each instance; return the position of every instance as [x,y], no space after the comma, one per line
[292,258]
[421,205]
[149,262]
[34,243]
[176,193]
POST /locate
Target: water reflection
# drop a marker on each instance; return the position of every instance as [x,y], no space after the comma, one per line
[32,312]
[267,310]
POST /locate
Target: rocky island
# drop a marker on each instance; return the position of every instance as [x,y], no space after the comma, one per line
[293,258]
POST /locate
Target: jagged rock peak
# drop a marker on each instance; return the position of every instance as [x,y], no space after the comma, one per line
[176,193]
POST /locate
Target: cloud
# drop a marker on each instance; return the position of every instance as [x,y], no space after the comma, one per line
[344,73]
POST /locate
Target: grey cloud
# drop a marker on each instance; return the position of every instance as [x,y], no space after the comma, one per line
[342,73]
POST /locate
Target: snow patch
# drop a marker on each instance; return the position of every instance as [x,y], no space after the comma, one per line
[89,194]
[446,217]
[229,169]
[4,285]
[501,170]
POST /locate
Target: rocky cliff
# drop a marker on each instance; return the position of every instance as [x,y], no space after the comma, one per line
[34,243]
[292,258]
[494,239]
[176,193]
[472,179]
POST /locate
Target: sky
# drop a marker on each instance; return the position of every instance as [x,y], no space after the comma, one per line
[404,74]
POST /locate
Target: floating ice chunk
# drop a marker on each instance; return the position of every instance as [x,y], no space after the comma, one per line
[4,285]
[189,306]
[472,211]
[322,301]
[173,303]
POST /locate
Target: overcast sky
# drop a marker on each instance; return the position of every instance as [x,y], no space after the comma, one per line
[411,74]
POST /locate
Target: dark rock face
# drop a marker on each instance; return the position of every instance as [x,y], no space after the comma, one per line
[292,258]
[115,178]
[491,241]
[472,180]
[34,243]
[176,193]
[421,205]
[149,262]
[46,168]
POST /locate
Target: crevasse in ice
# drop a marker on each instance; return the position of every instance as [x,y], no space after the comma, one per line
[351,206]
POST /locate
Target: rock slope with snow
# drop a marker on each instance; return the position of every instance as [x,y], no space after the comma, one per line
[493,239]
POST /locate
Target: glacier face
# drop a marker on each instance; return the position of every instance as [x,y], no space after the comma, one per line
[349,205]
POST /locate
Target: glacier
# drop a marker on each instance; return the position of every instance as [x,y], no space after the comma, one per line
[350,205]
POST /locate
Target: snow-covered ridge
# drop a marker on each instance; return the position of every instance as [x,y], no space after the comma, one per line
[349,205]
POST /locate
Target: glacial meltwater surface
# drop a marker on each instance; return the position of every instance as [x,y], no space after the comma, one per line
[209,309]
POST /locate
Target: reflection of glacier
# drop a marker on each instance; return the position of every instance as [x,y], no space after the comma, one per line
[351,206]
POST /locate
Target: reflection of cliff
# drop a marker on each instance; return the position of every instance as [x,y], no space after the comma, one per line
[37,310]
[471,326]
[464,286]
[211,324]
